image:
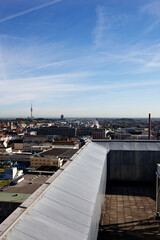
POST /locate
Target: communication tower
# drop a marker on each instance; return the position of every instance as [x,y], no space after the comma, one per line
[31,111]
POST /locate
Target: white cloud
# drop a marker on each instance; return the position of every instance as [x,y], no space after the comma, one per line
[6,36]
[28,11]
[58,86]
[2,65]
[56,63]
[100,26]
[153,64]
[152,8]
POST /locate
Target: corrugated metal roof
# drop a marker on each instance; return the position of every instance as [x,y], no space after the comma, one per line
[130,145]
[66,209]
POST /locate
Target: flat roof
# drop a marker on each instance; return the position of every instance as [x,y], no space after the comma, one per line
[13,197]
[54,152]
[29,185]
[129,212]
[69,153]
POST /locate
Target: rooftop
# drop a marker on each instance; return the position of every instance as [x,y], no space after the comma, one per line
[128,213]
[59,151]
[69,153]
[69,203]
[29,185]
[132,145]
[13,197]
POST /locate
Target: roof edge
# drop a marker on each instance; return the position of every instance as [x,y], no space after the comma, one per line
[13,218]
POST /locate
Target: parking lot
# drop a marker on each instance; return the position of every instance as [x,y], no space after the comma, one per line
[30,184]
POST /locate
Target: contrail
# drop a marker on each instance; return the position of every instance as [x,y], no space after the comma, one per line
[28,11]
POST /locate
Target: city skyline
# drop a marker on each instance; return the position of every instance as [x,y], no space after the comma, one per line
[90,58]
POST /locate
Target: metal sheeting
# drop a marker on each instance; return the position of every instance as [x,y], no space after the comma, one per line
[129,145]
[71,206]
[132,160]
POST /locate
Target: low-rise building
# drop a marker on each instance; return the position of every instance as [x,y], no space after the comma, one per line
[34,140]
[9,173]
[46,161]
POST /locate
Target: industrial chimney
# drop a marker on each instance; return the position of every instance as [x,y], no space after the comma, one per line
[149,127]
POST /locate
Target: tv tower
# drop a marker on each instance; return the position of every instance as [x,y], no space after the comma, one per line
[31,111]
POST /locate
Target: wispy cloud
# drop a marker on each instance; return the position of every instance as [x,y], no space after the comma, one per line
[36,60]
[28,11]
[153,64]
[3,73]
[5,36]
[56,63]
[58,86]
[152,9]
[100,26]
[50,64]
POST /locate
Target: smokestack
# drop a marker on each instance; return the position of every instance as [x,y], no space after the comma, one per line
[149,127]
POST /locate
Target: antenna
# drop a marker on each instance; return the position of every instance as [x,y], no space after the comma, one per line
[31,111]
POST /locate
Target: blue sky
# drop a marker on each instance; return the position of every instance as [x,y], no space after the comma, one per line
[93,58]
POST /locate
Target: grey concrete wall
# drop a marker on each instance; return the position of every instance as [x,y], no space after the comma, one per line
[132,165]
